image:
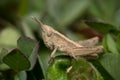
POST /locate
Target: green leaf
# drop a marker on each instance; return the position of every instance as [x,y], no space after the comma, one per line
[43,59]
[100,26]
[26,45]
[112,46]
[57,69]
[118,42]
[33,56]
[81,69]
[21,76]
[66,11]
[3,53]
[30,49]
[16,60]
[84,71]
[104,43]
[110,63]
[3,66]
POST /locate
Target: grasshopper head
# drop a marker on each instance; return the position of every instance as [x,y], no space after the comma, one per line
[45,28]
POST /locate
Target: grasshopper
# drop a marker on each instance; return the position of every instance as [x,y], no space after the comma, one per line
[57,41]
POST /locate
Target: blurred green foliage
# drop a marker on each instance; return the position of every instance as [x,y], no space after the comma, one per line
[78,20]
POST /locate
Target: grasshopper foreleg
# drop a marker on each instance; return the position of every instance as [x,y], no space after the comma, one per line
[52,54]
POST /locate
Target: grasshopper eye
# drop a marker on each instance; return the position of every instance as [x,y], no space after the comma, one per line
[49,34]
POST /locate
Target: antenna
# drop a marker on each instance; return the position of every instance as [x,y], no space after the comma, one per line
[37,20]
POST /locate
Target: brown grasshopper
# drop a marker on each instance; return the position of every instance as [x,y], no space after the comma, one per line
[57,41]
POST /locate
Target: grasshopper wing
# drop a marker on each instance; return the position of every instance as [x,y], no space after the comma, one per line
[89,42]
